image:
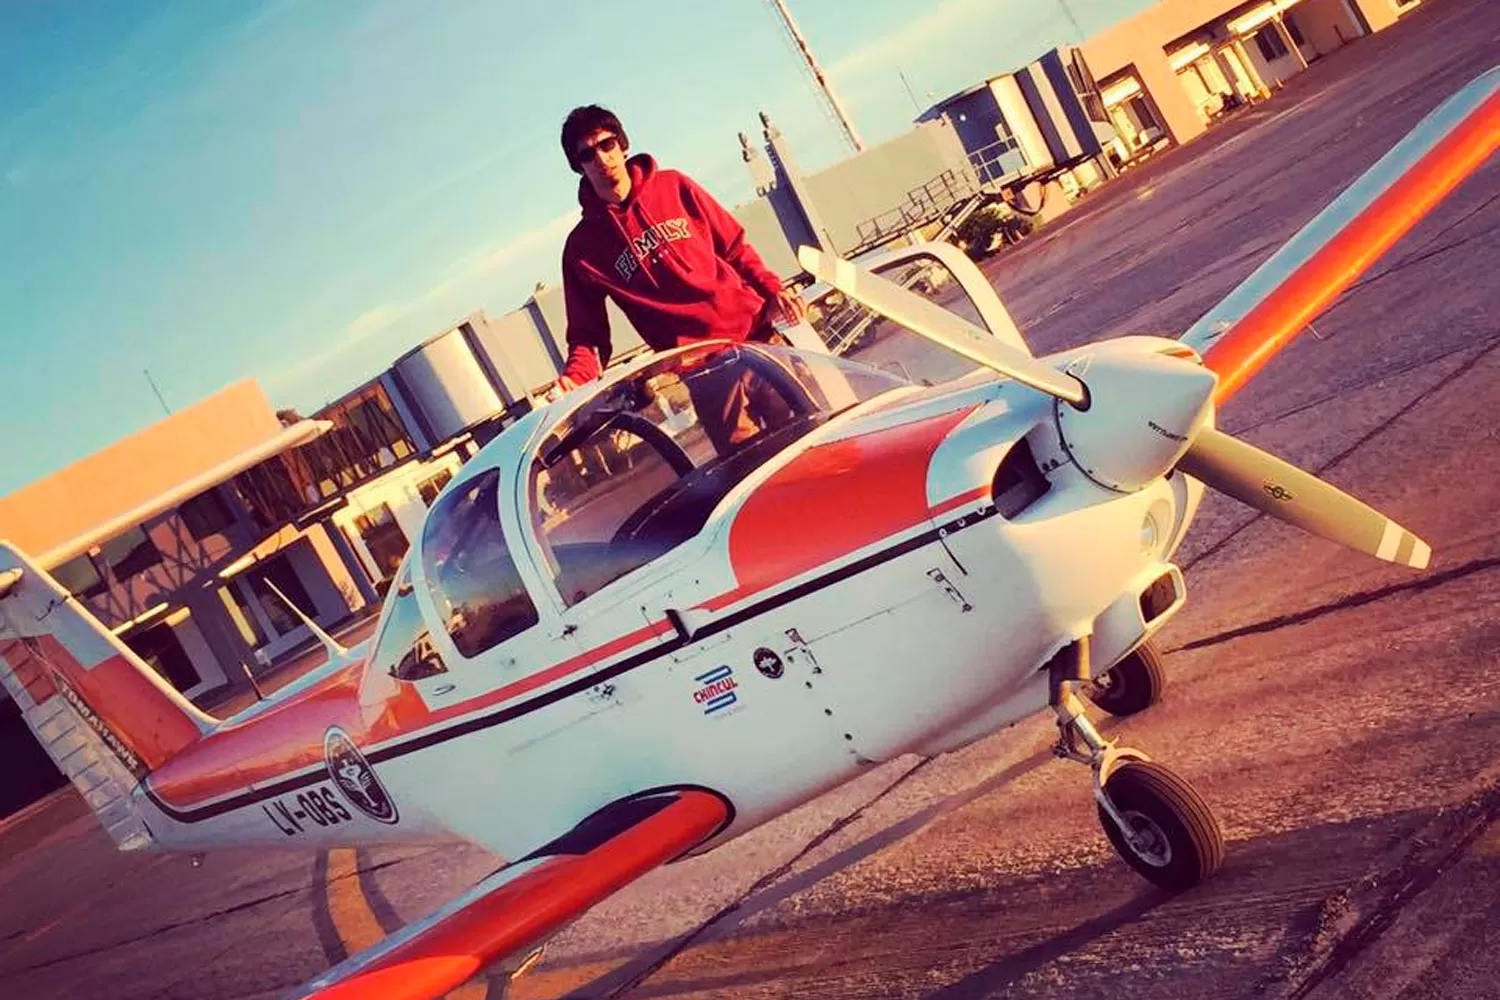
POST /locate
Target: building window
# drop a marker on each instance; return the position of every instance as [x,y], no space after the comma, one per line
[129,554]
[160,648]
[205,515]
[383,537]
[1086,89]
[366,439]
[429,489]
[1293,30]
[80,577]
[279,571]
[1144,120]
[1268,40]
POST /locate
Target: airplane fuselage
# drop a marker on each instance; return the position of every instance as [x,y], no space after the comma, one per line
[892,584]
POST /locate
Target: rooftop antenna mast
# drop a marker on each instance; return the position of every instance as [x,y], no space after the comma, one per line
[839,112]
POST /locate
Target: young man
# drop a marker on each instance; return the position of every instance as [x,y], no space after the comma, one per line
[673,259]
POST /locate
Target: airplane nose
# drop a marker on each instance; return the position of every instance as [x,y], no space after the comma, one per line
[1142,413]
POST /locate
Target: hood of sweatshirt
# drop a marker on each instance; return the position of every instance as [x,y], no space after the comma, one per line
[642,170]
[633,216]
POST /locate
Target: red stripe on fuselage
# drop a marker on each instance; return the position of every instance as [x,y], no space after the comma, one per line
[285,739]
[975,495]
[834,499]
[289,738]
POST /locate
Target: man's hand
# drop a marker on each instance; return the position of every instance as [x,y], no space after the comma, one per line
[558,388]
[790,307]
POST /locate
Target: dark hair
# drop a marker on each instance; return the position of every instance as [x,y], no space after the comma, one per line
[583,121]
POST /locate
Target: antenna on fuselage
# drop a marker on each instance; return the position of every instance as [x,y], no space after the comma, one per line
[329,643]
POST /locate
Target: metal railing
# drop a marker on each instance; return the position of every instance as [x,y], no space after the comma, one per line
[945,193]
[990,161]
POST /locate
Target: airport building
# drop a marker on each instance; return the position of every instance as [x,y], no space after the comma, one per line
[262,509]
[1166,74]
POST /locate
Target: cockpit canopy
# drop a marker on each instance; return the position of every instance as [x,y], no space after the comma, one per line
[629,475]
[638,469]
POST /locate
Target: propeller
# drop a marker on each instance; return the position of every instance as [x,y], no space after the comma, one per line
[1136,395]
[941,326]
[1272,486]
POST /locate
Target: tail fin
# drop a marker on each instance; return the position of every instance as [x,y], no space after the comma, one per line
[103,715]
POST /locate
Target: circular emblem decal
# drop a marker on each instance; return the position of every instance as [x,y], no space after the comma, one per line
[355,777]
[768,663]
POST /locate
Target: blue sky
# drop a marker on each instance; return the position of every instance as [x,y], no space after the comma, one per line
[298,190]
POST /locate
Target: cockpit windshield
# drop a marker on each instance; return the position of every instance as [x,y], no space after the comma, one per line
[639,469]
[471,574]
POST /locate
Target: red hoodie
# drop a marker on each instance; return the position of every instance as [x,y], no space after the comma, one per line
[673,259]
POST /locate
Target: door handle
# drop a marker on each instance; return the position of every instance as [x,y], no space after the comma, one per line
[445,689]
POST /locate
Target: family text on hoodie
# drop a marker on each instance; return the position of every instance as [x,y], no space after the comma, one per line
[674,260]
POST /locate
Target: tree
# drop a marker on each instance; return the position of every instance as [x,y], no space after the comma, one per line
[977,232]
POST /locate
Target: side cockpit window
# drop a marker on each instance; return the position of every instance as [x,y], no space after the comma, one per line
[404,649]
[470,572]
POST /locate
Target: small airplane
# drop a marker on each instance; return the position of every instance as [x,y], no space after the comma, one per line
[726,578]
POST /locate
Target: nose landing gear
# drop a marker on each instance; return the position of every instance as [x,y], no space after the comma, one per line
[1154,819]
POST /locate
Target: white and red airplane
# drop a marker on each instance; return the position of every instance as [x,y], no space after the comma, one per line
[685,599]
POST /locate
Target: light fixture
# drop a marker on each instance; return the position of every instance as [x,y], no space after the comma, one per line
[241,564]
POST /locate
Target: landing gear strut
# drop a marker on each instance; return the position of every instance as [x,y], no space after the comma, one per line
[1154,819]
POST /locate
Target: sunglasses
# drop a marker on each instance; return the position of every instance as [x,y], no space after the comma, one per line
[586,152]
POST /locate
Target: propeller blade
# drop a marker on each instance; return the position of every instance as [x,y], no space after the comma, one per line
[940,326]
[1261,480]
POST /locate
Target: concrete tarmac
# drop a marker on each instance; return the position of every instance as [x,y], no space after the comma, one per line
[1340,714]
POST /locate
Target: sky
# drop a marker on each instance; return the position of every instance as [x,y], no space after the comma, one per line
[298,191]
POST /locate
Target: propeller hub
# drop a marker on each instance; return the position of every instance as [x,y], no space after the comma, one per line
[1143,411]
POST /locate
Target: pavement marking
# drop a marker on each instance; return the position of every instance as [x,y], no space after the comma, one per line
[358,927]
[352,916]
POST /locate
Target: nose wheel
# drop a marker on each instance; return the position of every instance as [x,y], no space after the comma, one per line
[1132,685]
[1155,820]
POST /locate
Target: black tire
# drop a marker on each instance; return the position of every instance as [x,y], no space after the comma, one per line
[1132,685]
[1186,845]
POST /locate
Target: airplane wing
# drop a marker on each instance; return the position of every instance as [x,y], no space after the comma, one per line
[524,901]
[1240,334]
